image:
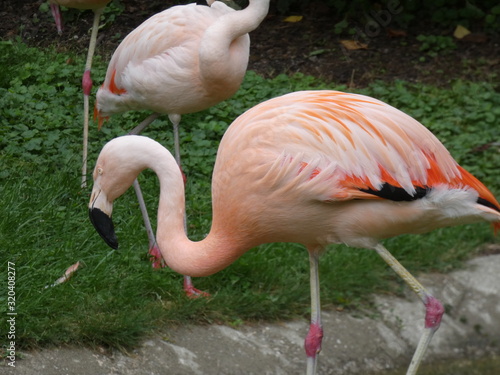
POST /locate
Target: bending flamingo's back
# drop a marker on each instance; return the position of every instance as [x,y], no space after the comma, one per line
[339,150]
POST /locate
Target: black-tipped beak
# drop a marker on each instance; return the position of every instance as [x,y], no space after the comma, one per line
[104,226]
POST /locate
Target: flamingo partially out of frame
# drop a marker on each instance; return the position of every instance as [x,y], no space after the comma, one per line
[98,7]
[182,60]
[312,167]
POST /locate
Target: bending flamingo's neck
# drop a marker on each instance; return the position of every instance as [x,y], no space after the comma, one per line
[184,256]
[242,21]
[225,44]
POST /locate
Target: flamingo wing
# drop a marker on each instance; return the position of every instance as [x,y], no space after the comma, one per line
[162,35]
[336,146]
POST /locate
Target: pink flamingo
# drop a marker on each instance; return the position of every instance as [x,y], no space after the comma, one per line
[312,167]
[98,7]
[182,60]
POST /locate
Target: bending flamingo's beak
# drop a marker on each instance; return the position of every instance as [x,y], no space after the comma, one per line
[99,118]
[100,216]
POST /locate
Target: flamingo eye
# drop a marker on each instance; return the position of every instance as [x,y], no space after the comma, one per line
[100,170]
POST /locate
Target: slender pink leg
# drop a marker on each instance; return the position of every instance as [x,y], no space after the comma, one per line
[87,89]
[434,309]
[314,337]
[190,290]
[56,13]
[156,257]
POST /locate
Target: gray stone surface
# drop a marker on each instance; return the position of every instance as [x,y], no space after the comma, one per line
[375,342]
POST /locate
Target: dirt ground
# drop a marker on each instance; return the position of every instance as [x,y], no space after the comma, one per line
[309,46]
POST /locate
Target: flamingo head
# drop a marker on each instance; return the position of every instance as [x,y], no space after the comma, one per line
[112,177]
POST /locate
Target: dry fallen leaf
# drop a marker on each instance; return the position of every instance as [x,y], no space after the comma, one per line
[396,33]
[475,38]
[293,19]
[460,32]
[353,44]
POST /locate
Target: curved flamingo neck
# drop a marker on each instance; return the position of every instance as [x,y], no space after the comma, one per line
[184,256]
[221,43]
[234,24]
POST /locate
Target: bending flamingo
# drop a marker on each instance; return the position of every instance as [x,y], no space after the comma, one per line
[312,167]
[98,7]
[182,60]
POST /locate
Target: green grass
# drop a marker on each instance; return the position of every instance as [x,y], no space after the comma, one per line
[116,298]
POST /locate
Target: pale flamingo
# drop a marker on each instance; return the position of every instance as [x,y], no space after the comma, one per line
[182,60]
[312,167]
[98,7]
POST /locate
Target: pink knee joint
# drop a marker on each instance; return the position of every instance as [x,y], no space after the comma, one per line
[313,340]
[434,311]
[86,83]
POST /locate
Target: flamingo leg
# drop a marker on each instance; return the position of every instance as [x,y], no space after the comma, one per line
[315,335]
[153,248]
[189,288]
[56,13]
[87,88]
[176,120]
[145,216]
[86,107]
[144,124]
[433,308]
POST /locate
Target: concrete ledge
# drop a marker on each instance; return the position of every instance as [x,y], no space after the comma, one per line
[351,345]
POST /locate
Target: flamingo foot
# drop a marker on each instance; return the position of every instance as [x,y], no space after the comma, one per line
[191,291]
[156,257]
[157,261]
[86,83]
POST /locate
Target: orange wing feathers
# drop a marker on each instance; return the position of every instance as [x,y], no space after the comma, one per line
[113,87]
[355,147]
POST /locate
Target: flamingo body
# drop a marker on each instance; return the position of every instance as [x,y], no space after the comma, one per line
[323,155]
[312,167]
[339,151]
[182,60]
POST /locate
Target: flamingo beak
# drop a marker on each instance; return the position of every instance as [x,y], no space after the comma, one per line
[101,219]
